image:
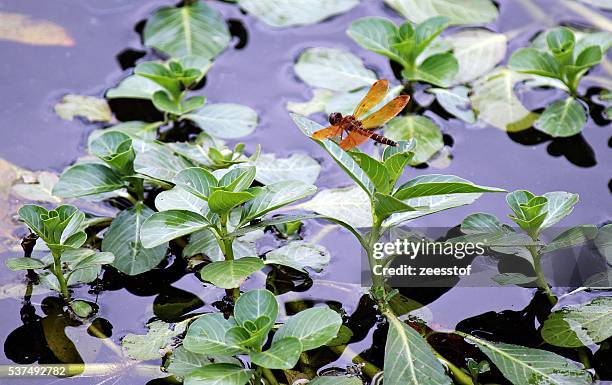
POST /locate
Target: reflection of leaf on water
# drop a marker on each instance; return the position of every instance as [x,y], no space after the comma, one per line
[22,29]
[57,340]
[172,303]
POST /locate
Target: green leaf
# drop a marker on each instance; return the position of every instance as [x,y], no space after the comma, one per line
[165,103]
[180,199]
[458,11]
[89,107]
[574,236]
[513,279]
[255,304]
[271,169]
[196,180]
[288,13]
[115,148]
[333,69]
[428,30]
[386,205]
[375,34]
[161,75]
[313,327]
[274,196]
[426,133]
[204,242]
[25,263]
[395,159]
[283,354]
[182,361]
[437,184]
[561,43]
[225,120]
[563,118]
[82,259]
[219,374]
[123,240]
[222,202]
[559,205]
[195,29]
[39,190]
[165,226]
[521,365]
[478,51]
[206,335]
[134,87]
[456,102]
[230,274]
[350,205]
[375,170]
[308,127]
[157,160]
[495,102]
[587,58]
[238,179]
[87,179]
[299,255]
[532,61]
[409,359]
[439,69]
[580,325]
[147,347]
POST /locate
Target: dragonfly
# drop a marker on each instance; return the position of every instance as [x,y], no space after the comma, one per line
[359,131]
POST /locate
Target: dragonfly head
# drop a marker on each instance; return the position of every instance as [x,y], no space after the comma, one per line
[335,118]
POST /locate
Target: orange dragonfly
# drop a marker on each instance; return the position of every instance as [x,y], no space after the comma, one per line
[359,131]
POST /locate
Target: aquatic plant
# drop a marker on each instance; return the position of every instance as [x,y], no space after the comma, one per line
[565,61]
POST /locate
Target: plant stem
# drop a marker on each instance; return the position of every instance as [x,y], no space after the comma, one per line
[368,368]
[541,279]
[269,376]
[227,245]
[57,271]
[139,187]
[459,375]
[378,281]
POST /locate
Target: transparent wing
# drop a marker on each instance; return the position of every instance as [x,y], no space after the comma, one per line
[387,112]
[374,96]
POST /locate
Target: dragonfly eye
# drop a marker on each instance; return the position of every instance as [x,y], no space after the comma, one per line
[335,118]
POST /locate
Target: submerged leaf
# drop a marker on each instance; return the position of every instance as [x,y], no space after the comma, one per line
[225,120]
[22,29]
[271,169]
[287,13]
[458,11]
[478,51]
[423,129]
[147,347]
[89,107]
[299,255]
[333,69]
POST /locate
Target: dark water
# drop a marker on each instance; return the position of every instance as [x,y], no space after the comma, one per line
[259,73]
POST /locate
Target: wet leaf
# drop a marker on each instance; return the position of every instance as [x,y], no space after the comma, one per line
[495,102]
[225,120]
[458,11]
[147,347]
[89,107]
[313,327]
[123,240]
[287,13]
[409,359]
[40,191]
[563,118]
[521,365]
[219,374]
[230,274]
[283,354]
[333,69]
[299,255]
[23,29]
[426,133]
[195,29]
[271,169]
[478,51]
[580,325]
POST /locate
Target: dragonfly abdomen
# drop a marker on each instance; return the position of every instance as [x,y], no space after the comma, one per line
[375,137]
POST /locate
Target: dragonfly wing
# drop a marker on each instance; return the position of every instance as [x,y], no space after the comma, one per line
[374,96]
[353,140]
[387,112]
[327,132]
